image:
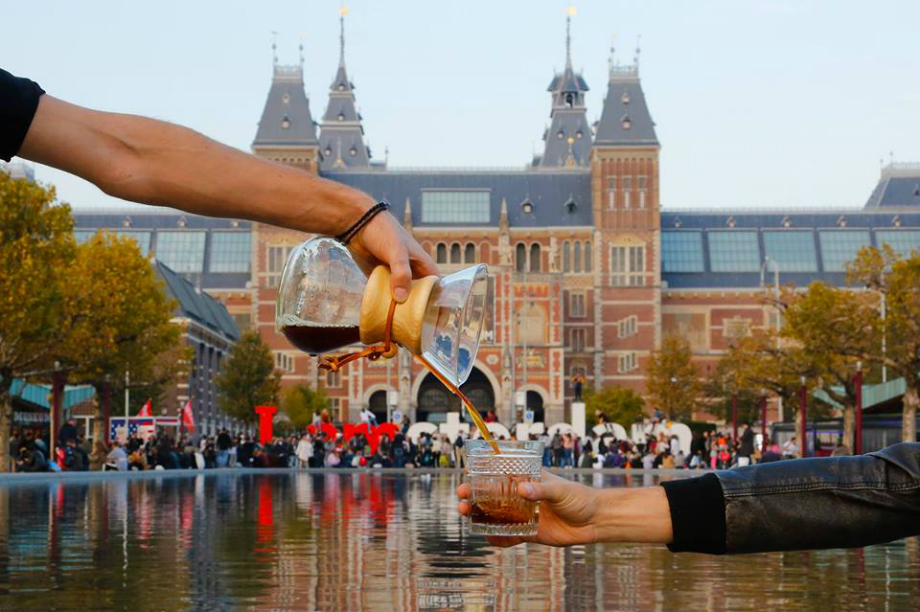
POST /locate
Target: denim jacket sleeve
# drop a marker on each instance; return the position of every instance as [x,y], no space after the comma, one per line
[800,504]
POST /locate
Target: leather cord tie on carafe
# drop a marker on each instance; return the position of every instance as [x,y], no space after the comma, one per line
[373,353]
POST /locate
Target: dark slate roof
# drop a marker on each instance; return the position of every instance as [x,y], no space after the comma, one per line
[341,136]
[569,123]
[625,100]
[287,104]
[759,221]
[547,190]
[899,186]
[150,218]
[568,82]
[197,305]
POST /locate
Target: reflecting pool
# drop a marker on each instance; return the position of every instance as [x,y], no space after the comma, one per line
[365,541]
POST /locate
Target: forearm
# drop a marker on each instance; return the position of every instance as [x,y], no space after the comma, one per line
[633,515]
[153,162]
[800,504]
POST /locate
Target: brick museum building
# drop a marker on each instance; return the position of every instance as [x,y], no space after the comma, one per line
[588,271]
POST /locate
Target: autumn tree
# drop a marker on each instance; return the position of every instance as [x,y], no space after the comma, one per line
[833,328]
[672,382]
[248,378]
[120,321]
[897,281]
[617,404]
[36,248]
[301,402]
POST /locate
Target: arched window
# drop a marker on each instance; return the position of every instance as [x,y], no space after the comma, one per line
[589,255]
[535,257]
[455,253]
[520,257]
[442,253]
[566,257]
[469,253]
[577,256]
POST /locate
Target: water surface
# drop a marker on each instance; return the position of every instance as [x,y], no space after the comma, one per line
[363,541]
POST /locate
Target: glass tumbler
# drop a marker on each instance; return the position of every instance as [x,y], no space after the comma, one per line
[496,508]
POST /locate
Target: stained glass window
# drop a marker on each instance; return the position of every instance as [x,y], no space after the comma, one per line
[734,251]
[681,252]
[794,251]
[839,247]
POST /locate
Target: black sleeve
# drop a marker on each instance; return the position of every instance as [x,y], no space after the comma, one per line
[18,102]
[697,514]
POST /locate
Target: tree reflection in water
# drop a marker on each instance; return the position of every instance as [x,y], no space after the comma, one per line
[347,540]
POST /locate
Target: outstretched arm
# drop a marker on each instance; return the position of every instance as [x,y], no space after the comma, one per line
[789,505]
[153,162]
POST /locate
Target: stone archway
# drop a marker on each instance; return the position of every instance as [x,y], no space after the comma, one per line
[378,405]
[434,401]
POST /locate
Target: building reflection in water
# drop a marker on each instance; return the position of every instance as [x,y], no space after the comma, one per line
[365,541]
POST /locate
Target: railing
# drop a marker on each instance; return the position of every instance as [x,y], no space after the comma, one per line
[901,169]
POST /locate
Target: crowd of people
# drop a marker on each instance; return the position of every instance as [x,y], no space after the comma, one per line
[322,447]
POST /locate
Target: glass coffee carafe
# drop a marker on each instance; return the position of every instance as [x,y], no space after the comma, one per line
[326,302]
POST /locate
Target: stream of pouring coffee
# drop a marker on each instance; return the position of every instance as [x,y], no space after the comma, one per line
[480,424]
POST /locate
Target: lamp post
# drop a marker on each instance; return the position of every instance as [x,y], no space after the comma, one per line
[735,415]
[763,420]
[57,391]
[803,417]
[858,383]
[779,339]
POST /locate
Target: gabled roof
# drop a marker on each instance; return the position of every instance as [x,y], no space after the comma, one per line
[625,119]
[286,118]
[197,305]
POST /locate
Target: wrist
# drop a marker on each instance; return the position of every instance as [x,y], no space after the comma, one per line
[633,515]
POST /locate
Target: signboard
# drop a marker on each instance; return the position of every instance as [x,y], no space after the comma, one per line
[520,399]
[528,416]
[397,416]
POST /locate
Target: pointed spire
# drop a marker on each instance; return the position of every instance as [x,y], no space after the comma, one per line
[342,12]
[568,36]
[503,219]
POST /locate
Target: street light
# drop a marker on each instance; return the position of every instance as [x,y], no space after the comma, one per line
[779,340]
[803,408]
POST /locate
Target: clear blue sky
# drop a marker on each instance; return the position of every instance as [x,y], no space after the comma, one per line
[757,103]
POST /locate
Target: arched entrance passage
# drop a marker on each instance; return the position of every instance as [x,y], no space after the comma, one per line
[378,405]
[435,401]
[535,403]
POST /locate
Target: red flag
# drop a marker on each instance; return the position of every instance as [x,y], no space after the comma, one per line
[188,419]
[145,411]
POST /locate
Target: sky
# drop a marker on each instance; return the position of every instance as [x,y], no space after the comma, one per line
[758,103]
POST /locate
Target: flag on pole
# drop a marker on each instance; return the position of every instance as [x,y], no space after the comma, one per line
[188,419]
[146,410]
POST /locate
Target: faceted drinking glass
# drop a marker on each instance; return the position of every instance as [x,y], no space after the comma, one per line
[496,508]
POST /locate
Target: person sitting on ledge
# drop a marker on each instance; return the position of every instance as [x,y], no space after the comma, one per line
[831,502]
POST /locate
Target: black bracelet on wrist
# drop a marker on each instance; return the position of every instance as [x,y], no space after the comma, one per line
[366,218]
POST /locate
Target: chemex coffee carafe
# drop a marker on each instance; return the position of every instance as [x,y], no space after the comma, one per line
[326,302]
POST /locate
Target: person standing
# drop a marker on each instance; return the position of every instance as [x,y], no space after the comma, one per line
[746,447]
[224,442]
[578,381]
